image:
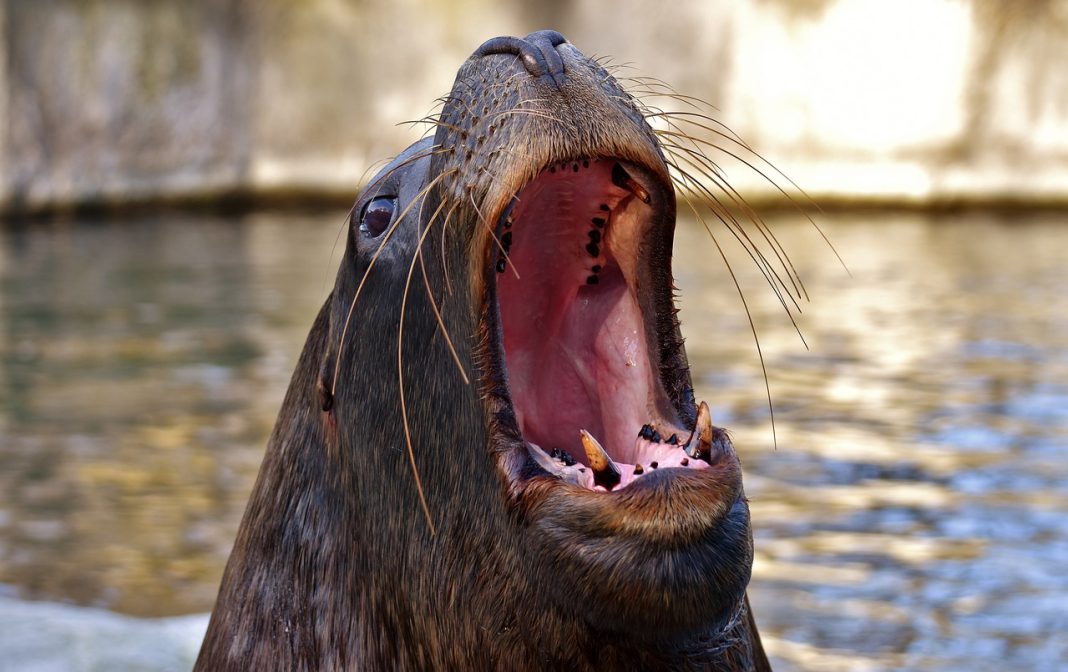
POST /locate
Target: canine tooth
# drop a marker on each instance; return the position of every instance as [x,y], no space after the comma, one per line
[605,471]
[623,180]
[703,432]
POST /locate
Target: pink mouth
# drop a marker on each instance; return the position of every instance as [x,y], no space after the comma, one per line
[576,342]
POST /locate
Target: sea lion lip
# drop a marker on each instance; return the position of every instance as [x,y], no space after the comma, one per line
[666,505]
[670,506]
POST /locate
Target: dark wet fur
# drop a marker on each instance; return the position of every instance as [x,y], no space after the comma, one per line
[335,565]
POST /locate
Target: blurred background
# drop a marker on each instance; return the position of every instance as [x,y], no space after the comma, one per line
[173,177]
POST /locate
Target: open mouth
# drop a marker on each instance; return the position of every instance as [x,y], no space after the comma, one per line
[583,332]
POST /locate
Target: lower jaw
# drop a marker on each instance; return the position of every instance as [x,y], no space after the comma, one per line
[649,560]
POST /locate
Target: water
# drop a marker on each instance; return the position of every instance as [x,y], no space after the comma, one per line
[913,516]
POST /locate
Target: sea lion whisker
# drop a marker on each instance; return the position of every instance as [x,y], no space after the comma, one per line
[738,231]
[505,83]
[749,316]
[724,217]
[500,245]
[660,88]
[370,266]
[785,260]
[456,100]
[714,175]
[442,237]
[697,140]
[693,159]
[783,256]
[811,201]
[741,159]
[431,121]
[430,294]
[722,131]
[494,178]
[733,137]
[780,251]
[608,62]
[400,386]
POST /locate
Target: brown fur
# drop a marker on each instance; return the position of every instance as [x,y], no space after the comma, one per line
[335,566]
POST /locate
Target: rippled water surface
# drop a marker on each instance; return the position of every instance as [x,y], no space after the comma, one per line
[913,516]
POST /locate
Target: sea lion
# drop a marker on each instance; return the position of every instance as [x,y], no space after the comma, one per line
[490,456]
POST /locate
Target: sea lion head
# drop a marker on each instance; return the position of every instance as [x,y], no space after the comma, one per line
[505,393]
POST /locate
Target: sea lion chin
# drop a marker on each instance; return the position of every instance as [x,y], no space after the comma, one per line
[490,455]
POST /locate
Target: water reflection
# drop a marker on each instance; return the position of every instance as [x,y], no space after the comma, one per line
[913,515]
[142,365]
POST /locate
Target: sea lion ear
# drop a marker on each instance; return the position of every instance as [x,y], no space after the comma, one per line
[323,385]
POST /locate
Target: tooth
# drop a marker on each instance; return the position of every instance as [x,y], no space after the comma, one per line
[649,433]
[623,180]
[563,456]
[554,465]
[703,431]
[605,471]
[543,459]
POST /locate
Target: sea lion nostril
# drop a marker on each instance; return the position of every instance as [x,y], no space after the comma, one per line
[537,51]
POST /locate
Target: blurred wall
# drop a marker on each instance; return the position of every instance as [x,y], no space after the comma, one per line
[912,100]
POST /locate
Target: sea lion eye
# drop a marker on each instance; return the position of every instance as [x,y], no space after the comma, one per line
[377,215]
